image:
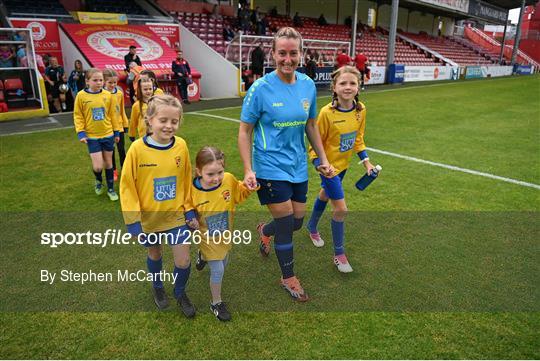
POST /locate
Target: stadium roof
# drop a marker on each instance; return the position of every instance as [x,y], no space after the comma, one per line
[510,4]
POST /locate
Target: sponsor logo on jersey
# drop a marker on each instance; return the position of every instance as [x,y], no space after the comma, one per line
[98,113]
[279,104]
[147,165]
[164,188]
[217,222]
[346,142]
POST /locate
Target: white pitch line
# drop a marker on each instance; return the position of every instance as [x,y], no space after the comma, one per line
[418,160]
[50,120]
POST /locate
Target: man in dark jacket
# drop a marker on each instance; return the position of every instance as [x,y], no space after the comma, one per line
[182,74]
[257,62]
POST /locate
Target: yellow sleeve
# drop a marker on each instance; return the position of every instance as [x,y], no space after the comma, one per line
[158,91]
[359,144]
[187,177]
[322,125]
[129,198]
[123,116]
[134,120]
[111,114]
[78,115]
[241,192]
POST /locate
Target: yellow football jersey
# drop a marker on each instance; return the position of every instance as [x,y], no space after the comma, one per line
[137,125]
[215,209]
[94,114]
[155,187]
[120,110]
[342,134]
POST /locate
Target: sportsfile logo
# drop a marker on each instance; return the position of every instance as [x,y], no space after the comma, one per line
[164,188]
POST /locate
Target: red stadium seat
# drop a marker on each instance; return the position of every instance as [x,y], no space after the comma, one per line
[13,89]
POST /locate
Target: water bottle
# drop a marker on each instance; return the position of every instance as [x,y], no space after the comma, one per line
[367,179]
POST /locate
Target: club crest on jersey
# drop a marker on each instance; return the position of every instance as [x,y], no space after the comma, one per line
[226,195]
[177,160]
[305,105]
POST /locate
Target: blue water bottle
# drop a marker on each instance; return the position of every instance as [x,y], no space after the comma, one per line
[367,179]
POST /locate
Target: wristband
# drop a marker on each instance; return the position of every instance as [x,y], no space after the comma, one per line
[82,135]
[316,162]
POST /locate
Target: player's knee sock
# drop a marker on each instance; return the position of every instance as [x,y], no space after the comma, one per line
[283,244]
[269,229]
[298,223]
[155,267]
[318,210]
[182,276]
[109,175]
[98,176]
[337,236]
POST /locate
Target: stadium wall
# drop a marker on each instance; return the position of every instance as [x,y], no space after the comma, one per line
[219,77]
[70,53]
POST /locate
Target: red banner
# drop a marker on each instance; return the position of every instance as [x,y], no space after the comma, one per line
[45,35]
[170,34]
[106,45]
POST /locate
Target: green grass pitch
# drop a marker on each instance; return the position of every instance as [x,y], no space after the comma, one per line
[447,264]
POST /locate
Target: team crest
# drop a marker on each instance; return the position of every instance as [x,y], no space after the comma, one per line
[305,105]
[226,195]
[177,160]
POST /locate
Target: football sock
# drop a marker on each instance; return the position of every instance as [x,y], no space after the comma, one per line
[182,276]
[98,176]
[155,268]
[298,223]
[283,244]
[318,210]
[269,229]
[337,236]
[109,175]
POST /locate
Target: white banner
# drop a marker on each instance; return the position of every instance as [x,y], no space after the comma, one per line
[459,5]
[427,73]
[377,75]
[495,71]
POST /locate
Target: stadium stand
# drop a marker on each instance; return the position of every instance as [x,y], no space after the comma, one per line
[32,7]
[461,53]
[117,6]
[373,43]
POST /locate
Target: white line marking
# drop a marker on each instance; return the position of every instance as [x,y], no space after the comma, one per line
[37,131]
[215,116]
[418,160]
[50,120]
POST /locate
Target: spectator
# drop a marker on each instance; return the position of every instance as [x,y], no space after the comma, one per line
[297,21]
[228,33]
[322,21]
[254,15]
[216,12]
[257,62]
[182,74]
[6,56]
[273,12]
[76,80]
[311,67]
[263,25]
[243,19]
[343,59]
[55,76]
[21,56]
[132,56]
[360,61]
[348,21]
